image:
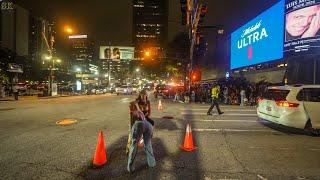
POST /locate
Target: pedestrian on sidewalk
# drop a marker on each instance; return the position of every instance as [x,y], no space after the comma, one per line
[243,96]
[214,97]
[15,92]
[186,97]
[2,91]
[141,129]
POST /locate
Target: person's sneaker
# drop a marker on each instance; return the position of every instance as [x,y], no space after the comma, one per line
[221,113]
[209,114]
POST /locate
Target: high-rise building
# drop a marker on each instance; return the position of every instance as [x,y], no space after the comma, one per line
[41,30]
[150,24]
[82,52]
[14,28]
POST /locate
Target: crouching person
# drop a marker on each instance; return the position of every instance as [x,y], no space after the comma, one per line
[140,128]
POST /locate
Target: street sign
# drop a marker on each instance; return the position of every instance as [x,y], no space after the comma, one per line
[17,68]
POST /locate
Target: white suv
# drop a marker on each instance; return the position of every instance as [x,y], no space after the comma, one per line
[294,106]
[124,89]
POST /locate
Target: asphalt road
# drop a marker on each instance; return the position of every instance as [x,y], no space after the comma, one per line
[234,145]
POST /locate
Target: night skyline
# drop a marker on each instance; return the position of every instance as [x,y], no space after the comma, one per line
[89,17]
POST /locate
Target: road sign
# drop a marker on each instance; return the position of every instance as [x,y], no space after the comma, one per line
[17,68]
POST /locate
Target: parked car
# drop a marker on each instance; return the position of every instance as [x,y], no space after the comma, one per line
[136,88]
[149,86]
[294,106]
[124,89]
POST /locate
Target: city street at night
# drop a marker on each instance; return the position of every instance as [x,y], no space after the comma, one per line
[160,89]
[235,145]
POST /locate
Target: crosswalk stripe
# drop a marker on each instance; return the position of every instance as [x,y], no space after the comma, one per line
[248,110]
[237,114]
[232,130]
[226,120]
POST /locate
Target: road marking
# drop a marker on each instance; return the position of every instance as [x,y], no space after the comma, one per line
[286,148]
[232,130]
[233,114]
[261,177]
[125,100]
[248,110]
[253,147]
[226,120]
[314,149]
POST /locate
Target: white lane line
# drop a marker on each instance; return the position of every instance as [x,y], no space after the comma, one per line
[232,130]
[314,149]
[261,177]
[233,114]
[248,110]
[286,148]
[254,147]
[226,120]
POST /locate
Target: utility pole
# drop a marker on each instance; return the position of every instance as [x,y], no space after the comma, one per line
[109,70]
[193,19]
[50,50]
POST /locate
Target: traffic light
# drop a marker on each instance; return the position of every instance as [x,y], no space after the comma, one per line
[195,76]
[204,11]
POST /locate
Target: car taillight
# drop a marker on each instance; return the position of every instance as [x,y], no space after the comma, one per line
[286,104]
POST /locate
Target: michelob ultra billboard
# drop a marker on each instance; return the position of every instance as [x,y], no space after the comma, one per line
[289,28]
[259,40]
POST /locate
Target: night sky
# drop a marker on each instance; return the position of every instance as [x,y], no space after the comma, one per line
[110,20]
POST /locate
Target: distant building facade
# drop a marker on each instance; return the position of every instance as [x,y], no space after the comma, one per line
[150,24]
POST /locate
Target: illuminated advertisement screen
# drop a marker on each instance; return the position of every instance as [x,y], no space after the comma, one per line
[302,27]
[260,40]
[116,52]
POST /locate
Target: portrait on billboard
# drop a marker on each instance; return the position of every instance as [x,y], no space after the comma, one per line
[116,52]
[303,23]
[302,27]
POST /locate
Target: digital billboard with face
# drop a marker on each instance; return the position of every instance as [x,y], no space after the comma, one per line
[116,52]
[302,25]
[259,40]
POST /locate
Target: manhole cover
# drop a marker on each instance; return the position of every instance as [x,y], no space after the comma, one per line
[66,121]
[167,117]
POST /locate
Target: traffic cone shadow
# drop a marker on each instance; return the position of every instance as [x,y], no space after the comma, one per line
[100,155]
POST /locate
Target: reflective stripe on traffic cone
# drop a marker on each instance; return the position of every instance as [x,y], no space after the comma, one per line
[188,140]
[100,156]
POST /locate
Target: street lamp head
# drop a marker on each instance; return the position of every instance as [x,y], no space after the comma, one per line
[147,53]
[68,29]
[47,57]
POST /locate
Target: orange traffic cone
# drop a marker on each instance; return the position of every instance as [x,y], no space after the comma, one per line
[100,156]
[188,140]
[160,107]
[140,143]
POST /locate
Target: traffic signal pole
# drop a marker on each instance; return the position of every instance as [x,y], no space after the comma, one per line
[193,27]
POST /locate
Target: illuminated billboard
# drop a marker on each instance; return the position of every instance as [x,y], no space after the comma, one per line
[289,28]
[83,36]
[302,27]
[260,40]
[116,52]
